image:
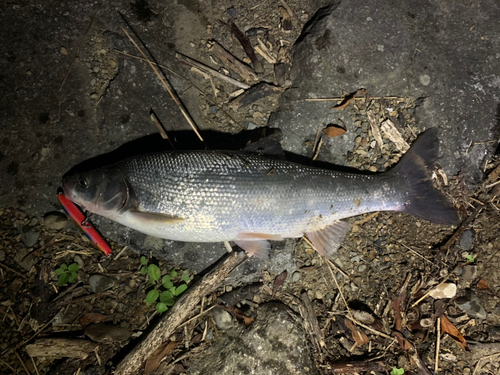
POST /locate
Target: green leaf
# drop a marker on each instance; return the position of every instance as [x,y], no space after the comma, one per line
[72,277]
[168,285]
[64,266]
[152,296]
[397,371]
[173,273]
[172,290]
[161,307]
[165,296]
[181,288]
[169,302]
[144,270]
[185,278]
[144,260]
[154,272]
[150,283]
[63,279]
[60,271]
[73,267]
[470,258]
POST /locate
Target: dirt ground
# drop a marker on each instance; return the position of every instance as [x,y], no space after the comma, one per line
[380,279]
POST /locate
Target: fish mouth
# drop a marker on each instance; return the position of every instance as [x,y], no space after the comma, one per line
[66,188]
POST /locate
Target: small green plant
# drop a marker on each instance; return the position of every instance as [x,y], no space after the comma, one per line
[164,289]
[397,371]
[67,273]
[470,258]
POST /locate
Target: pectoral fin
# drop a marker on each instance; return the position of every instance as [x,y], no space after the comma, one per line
[328,240]
[155,217]
[258,248]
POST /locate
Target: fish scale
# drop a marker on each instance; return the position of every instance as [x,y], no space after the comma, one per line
[222,194]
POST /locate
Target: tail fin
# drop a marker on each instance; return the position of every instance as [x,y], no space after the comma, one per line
[424,200]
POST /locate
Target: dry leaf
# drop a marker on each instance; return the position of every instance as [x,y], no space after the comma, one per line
[482,285]
[242,318]
[359,336]
[153,362]
[333,131]
[90,318]
[279,280]
[348,99]
[450,329]
[396,305]
[403,343]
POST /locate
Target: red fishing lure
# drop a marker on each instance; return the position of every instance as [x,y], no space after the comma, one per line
[79,219]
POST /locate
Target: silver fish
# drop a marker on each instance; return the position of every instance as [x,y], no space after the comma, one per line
[209,196]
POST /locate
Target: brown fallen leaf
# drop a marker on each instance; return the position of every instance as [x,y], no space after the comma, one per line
[90,318]
[482,285]
[333,131]
[279,280]
[242,318]
[359,336]
[349,99]
[153,362]
[403,343]
[396,305]
[450,329]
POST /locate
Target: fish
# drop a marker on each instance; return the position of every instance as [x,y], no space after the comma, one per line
[250,199]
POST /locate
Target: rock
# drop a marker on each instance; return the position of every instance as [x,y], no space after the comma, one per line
[469,273]
[30,238]
[78,259]
[2,255]
[436,71]
[100,332]
[55,220]
[232,12]
[274,343]
[213,109]
[223,319]
[250,125]
[446,290]
[467,239]
[296,276]
[471,305]
[100,283]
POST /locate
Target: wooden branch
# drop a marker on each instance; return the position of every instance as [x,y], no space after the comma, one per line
[247,46]
[61,348]
[311,321]
[205,69]
[242,69]
[177,314]
[356,367]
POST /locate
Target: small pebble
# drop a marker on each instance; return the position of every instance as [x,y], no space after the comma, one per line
[296,276]
[30,238]
[2,255]
[223,319]
[78,259]
[55,220]
[232,12]
[471,305]
[100,283]
[467,239]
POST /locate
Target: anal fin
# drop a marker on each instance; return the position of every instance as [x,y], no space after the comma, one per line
[328,240]
[258,248]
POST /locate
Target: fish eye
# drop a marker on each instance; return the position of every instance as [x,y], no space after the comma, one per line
[83,183]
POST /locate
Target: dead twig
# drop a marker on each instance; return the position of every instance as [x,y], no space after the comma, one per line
[13,270]
[438,344]
[167,86]
[205,69]
[77,50]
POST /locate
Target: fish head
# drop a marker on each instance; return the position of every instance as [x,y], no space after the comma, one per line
[104,192]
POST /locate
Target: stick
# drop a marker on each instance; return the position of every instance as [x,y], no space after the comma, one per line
[356,367]
[438,343]
[77,50]
[134,360]
[12,270]
[342,99]
[311,321]
[22,362]
[167,86]
[205,69]
[460,229]
[247,46]
[233,63]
